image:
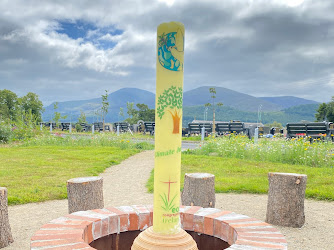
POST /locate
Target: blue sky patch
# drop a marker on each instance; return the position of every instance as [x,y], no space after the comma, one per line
[89,32]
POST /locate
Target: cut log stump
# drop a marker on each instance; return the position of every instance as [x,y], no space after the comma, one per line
[286,197]
[199,190]
[5,232]
[85,193]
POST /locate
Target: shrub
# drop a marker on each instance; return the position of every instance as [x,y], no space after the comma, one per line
[5,132]
[78,127]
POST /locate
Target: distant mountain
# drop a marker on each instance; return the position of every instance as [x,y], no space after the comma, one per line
[237,106]
[287,101]
[234,99]
[116,100]
[292,114]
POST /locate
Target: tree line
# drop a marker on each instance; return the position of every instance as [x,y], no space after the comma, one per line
[14,108]
[325,111]
[29,108]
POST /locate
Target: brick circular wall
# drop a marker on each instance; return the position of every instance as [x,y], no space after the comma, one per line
[79,229]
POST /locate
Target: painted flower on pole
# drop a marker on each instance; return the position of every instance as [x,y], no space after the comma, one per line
[171,100]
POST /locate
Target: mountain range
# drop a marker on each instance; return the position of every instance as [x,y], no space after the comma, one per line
[243,104]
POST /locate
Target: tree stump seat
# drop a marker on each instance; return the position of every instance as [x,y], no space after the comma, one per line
[286,199]
[5,231]
[199,190]
[85,193]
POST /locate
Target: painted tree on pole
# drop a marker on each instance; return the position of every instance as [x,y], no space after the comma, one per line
[171,100]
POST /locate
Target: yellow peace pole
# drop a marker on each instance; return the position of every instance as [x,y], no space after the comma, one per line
[166,232]
[168,127]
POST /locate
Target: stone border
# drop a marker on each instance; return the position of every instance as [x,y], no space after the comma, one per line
[77,230]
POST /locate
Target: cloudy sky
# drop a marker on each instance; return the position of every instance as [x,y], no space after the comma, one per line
[72,50]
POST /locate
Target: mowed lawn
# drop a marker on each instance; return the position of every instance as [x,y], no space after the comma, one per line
[250,176]
[39,173]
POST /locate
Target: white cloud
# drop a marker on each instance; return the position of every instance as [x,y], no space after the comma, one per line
[239,44]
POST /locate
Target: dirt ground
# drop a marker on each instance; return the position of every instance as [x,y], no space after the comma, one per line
[124,184]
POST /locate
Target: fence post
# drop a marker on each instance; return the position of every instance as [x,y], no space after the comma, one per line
[93,129]
[256,135]
[203,133]
[117,130]
[51,127]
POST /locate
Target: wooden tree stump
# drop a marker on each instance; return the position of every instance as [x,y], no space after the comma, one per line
[199,190]
[5,232]
[85,193]
[286,199]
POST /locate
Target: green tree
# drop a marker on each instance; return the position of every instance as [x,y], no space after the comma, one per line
[321,112]
[82,118]
[213,97]
[171,99]
[145,113]
[325,111]
[31,103]
[330,110]
[132,113]
[57,116]
[121,113]
[105,106]
[9,105]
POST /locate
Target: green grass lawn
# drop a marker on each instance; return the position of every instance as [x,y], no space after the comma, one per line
[39,173]
[249,176]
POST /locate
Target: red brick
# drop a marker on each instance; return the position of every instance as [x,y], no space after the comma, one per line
[88,234]
[262,239]
[113,224]
[188,217]
[143,217]
[71,247]
[278,235]
[208,221]
[66,226]
[105,227]
[133,217]
[198,224]
[60,231]
[221,230]
[56,236]
[150,208]
[54,242]
[97,228]
[257,230]
[68,221]
[102,211]
[144,221]
[258,244]
[123,219]
[232,236]
[83,218]
[241,220]
[255,224]
[192,210]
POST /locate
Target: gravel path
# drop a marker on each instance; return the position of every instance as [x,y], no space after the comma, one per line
[124,184]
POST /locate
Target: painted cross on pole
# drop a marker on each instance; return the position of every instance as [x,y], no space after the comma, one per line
[169,182]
